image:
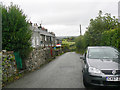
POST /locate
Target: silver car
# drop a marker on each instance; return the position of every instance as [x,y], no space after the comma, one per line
[101,66]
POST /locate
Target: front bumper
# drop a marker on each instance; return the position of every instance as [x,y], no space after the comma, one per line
[101,80]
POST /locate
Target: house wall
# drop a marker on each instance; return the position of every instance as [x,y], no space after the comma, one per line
[35,39]
[41,38]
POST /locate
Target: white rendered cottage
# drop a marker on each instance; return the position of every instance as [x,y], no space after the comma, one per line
[41,37]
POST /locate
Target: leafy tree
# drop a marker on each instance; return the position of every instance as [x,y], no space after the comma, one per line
[16,34]
[95,35]
[80,44]
[99,25]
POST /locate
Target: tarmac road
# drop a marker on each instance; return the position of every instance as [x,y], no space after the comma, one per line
[63,72]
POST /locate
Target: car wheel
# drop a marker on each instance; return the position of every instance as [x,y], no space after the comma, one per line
[87,85]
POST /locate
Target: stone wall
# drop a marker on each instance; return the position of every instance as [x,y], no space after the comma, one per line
[9,67]
[39,57]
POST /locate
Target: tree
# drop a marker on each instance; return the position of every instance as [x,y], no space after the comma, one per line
[99,25]
[16,34]
[94,35]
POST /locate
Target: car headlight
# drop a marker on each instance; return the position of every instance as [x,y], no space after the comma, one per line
[94,70]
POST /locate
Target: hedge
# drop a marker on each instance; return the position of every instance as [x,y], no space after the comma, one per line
[111,38]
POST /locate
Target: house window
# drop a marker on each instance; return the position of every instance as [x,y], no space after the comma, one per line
[37,39]
[51,38]
[33,41]
[45,38]
[40,37]
[41,42]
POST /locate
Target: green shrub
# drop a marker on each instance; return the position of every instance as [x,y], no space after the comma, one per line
[102,31]
[16,34]
[111,38]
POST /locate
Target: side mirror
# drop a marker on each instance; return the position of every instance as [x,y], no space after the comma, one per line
[82,57]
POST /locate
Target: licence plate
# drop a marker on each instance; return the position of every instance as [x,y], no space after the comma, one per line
[113,78]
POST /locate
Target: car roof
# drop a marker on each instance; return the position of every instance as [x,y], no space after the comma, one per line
[99,47]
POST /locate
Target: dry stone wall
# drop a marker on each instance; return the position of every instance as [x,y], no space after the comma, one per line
[39,57]
[9,67]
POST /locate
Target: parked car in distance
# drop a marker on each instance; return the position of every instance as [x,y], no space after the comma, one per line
[101,66]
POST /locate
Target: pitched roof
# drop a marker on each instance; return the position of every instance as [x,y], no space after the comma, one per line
[42,32]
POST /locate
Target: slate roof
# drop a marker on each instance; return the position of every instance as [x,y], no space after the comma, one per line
[42,32]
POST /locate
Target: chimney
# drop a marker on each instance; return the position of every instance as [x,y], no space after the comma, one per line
[30,23]
[40,26]
[35,25]
[46,30]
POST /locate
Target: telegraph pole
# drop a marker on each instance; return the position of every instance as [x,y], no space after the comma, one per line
[80,30]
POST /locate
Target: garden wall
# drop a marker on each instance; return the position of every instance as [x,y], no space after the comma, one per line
[9,67]
[37,58]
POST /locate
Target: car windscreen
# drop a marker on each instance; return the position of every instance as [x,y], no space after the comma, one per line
[103,53]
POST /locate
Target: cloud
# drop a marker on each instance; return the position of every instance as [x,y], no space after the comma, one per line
[64,16]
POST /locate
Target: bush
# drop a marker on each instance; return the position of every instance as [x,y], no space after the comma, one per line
[111,38]
[65,47]
[15,31]
[103,30]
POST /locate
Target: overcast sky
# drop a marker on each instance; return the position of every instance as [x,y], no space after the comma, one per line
[63,17]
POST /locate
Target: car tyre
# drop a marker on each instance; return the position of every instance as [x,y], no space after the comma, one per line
[87,85]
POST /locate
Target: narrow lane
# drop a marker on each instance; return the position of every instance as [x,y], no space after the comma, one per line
[63,72]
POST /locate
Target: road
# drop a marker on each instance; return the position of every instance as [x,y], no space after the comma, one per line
[63,72]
